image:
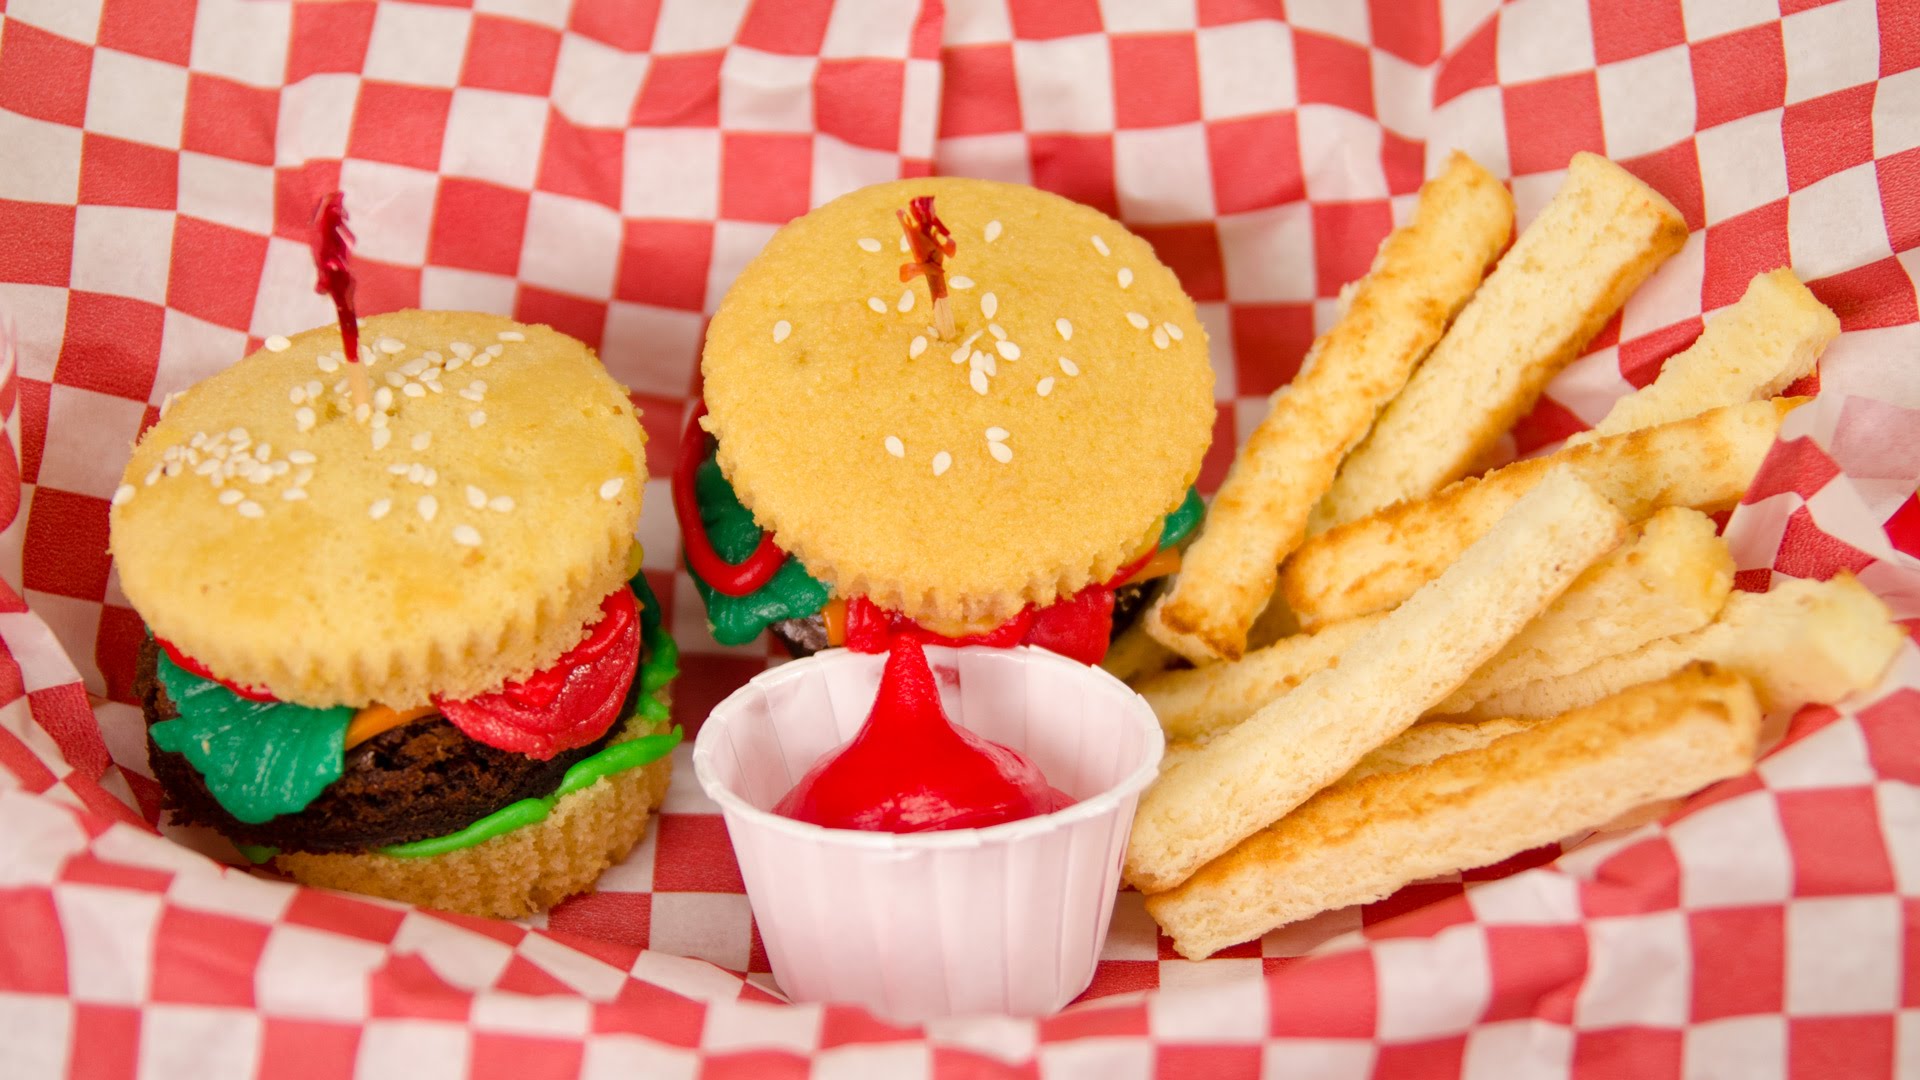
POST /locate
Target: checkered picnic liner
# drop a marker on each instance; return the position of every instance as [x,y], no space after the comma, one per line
[609,166]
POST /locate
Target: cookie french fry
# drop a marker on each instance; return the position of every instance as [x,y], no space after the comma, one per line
[1428,740]
[1364,838]
[1248,777]
[1135,655]
[1569,271]
[1704,462]
[1423,274]
[1753,349]
[1806,641]
[1198,703]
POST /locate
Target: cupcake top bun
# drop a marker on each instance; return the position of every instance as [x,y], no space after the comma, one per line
[462,535]
[959,480]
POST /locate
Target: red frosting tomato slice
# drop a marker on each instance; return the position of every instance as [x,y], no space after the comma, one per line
[567,704]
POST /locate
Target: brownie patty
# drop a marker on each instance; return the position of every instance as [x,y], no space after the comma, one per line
[418,780]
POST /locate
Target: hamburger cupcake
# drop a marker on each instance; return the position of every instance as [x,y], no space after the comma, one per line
[994,472]
[403,649]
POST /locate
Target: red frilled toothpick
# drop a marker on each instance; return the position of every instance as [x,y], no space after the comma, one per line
[331,238]
[927,235]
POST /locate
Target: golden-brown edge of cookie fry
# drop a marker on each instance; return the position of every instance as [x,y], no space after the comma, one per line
[1423,274]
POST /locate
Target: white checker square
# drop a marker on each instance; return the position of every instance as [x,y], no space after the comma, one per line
[1209,1001]
[572,245]
[652,349]
[705,926]
[413,1050]
[75,20]
[106,418]
[985,22]
[1899,808]
[1217,320]
[1107,1057]
[132,97]
[594,979]
[1475,123]
[1738,1048]
[688,798]
[1906,1043]
[1743,165]
[455,953]
[763,91]
[989,157]
[755,1025]
[1671,294]
[1132,934]
[539,12]
[671,173]
[1733,853]
[1402,94]
[39,314]
[494,136]
[316,117]
[1646,103]
[242,40]
[919,108]
[1495,1051]
[37,641]
[1639,971]
[595,85]
[1834,756]
[122,251]
[1246,69]
[623,1057]
[1268,254]
[1431,987]
[697,25]
[1711,18]
[1162,174]
[1532,193]
[288,979]
[870,28]
[1329,930]
[1832,226]
[1843,955]
[659,533]
[199,1041]
[1322,1059]
[447,289]
[199,887]
[1539,39]
[1831,47]
[1340,151]
[735,243]
[840,167]
[229,192]
[1147,16]
[417,45]
[43,160]
[1341,18]
[1590,385]
[392,209]
[285,301]
[1541,897]
[124,730]
[1459,19]
[109,933]
[1066,84]
[542,1015]
[1896,104]
[38,1029]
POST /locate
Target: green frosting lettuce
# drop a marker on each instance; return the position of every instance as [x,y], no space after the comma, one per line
[1185,518]
[791,594]
[260,759]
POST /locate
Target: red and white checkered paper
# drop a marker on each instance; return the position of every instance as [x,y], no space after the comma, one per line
[609,166]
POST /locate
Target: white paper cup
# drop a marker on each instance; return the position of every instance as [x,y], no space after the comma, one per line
[1008,919]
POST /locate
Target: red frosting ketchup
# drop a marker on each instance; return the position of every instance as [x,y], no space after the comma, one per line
[910,769]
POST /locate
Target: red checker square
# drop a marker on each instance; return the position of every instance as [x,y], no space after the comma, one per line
[583,319]
[845,1025]
[1546,423]
[1850,1046]
[338,914]
[1903,529]
[1639,1052]
[692,854]
[1193,253]
[1641,358]
[1219,456]
[34,396]
[36,960]
[1742,246]
[1473,65]
[1899,176]
[117,648]
[499,930]
[1607,336]
[1738,74]
[1227,12]
[307,1048]
[1827,135]
[1877,294]
[618,954]
[1796,465]
[230,120]
[1887,725]
[215,271]
[66,547]
[756,949]
[157,31]
[23,763]
[1269,341]
[659,1014]
[858,101]
[758,1065]
[1420,910]
[296,191]
[1807,551]
[1910,997]
[665,263]
[1179,1062]
[523,976]
[45,75]
[1899,38]
[1623,29]
[1838,848]
[1327,997]
[661,417]
[407,986]
[401,125]
[9,495]
[39,235]
[1079,167]
[1403,161]
[765,177]
[1536,971]
[624,918]
[66,713]
[477,226]
[623,24]
[111,345]
[1435,1059]
[380,286]
[1256,162]
[511,55]
[581,161]
[1410,33]
[1332,71]
[1055,19]
[106,1039]
[1757,580]
[1345,237]
[1639,879]
[1156,80]
[115,172]
[705,680]
[328,38]
[205,959]
[1740,961]
[524,1057]
[1111,977]
[680,91]
[981,95]
[1547,121]
[777,26]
